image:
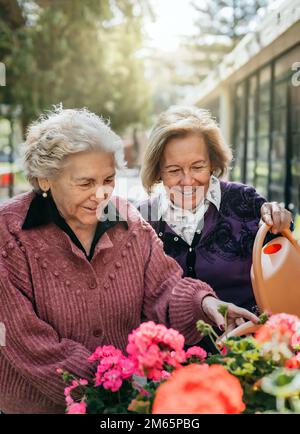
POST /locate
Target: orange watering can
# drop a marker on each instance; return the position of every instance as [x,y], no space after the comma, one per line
[275,276]
[275,272]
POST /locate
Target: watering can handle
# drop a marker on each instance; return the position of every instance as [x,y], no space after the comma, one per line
[258,245]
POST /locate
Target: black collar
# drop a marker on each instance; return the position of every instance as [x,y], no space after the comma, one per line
[43,211]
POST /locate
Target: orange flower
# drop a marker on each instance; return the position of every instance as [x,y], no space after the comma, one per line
[199,389]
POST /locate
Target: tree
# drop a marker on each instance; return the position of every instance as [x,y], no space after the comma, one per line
[220,24]
[80,53]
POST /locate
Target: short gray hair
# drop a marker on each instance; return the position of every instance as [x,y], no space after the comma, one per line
[62,132]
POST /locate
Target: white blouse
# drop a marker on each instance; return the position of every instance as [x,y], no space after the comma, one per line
[186,223]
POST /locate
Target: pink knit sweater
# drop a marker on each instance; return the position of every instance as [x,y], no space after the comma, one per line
[57,306]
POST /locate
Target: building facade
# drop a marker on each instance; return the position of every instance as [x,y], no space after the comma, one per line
[255,95]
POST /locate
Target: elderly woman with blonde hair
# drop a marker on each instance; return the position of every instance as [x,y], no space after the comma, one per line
[206,224]
[78,267]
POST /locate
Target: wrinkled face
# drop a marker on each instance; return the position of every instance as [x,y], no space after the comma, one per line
[185,170]
[83,187]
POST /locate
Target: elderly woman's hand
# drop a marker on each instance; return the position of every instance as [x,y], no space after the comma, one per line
[235,315]
[275,215]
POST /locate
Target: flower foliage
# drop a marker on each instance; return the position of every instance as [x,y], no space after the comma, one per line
[249,374]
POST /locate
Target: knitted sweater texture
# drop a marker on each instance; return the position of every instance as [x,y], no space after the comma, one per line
[57,307]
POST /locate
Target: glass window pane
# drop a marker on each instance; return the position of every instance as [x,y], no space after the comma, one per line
[295,95]
[276,190]
[251,149]
[263,148]
[262,182]
[251,128]
[283,66]
[278,168]
[280,92]
[264,89]
[263,124]
[296,144]
[265,76]
[279,121]
[295,171]
[296,119]
[239,139]
[250,171]
[264,100]
[295,162]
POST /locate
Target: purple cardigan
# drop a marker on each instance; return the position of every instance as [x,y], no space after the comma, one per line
[222,254]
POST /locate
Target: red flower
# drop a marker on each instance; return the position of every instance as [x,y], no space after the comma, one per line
[199,389]
[294,362]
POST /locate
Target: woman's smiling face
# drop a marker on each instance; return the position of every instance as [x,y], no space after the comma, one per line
[185,170]
[83,187]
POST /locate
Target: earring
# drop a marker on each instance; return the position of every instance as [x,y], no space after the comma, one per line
[45,194]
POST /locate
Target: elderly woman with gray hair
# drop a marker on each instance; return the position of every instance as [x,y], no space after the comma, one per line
[78,267]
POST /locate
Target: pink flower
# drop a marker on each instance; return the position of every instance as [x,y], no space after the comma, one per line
[69,400]
[112,380]
[152,357]
[285,328]
[127,367]
[103,352]
[284,322]
[165,375]
[295,340]
[101,369]
[197,352]
[152,346]
[67,390]
[113,367]
[77,408]
[74,385]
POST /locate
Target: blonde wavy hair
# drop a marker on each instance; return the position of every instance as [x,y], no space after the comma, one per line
[180,121]
[62,132]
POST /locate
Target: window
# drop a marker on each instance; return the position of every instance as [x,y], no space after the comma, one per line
[239,133]
[263,131]
[295,151]
[251,131]
[266,133]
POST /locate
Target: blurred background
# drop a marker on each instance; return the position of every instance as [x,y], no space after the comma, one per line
[130,59]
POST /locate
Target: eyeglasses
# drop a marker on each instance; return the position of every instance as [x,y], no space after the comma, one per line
[179,173]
